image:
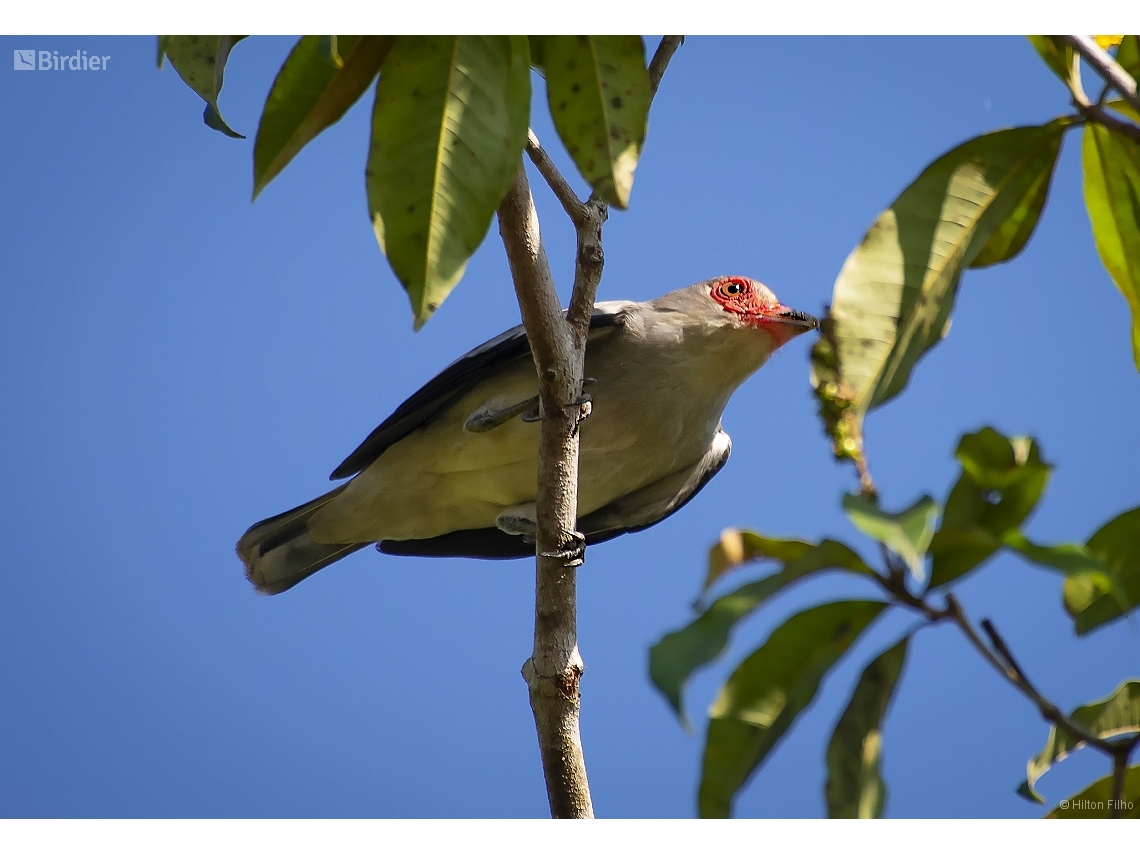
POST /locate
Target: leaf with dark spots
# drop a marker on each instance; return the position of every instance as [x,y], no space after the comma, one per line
[440,163]
[200,61]
[579,71]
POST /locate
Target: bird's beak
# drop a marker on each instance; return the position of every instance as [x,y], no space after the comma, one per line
[800,322]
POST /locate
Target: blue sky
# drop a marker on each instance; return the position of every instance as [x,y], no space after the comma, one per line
[177,363]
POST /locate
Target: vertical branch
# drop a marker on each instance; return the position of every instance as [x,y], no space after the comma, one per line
[555,667]
[558,344]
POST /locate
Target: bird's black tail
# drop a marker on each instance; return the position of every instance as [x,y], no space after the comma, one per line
[279,552]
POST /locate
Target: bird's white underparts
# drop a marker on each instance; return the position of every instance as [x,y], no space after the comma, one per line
[453,471]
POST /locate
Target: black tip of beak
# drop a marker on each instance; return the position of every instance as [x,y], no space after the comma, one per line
[796,318]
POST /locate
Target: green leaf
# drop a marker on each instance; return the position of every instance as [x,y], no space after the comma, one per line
[893,298]
[162,40]
[1001,482]
[538,53]
[1112,196]
[1128,56]
[1102,578]
[906,533]
[737,547]
[1117,546]
[201,63]
[310,93]
[1057,55]
[598,91]
[1093,801]
[675,657]
[1116,715]
[768,690]
[448,129]
[855,787]
[1090,577]
[1122,106]
[1011,236]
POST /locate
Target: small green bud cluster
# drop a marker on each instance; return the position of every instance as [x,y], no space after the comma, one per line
[840,425]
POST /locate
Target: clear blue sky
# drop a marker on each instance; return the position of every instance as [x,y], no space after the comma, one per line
[176,363]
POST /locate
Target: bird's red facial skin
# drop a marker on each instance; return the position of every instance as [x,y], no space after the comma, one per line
[739,296]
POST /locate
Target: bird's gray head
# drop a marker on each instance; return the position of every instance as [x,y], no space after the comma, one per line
[740,302]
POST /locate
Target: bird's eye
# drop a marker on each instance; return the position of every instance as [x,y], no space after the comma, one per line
[734,293]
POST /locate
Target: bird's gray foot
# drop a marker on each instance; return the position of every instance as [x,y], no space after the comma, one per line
[585,405]
[491,415]
[519,521]
[574,553]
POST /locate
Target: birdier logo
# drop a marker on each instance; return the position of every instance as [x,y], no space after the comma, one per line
[50,60]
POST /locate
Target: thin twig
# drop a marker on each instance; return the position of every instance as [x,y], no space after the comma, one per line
[1104,65]
[1008,668]
[574,207]
[1099,114]
[893,582]
[665,50]
[1119,768]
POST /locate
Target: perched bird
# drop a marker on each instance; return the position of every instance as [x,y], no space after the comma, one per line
[453,470]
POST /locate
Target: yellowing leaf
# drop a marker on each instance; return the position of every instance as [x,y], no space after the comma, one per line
[1112,196]
[448,129]
[598,91]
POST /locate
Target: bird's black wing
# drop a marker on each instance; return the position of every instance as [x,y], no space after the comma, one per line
[451,384]
[639,510]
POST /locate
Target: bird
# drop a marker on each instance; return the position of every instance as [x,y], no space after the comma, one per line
[453,471]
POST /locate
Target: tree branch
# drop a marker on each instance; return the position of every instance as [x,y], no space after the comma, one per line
[1096,113]
[1119,769]
[1004,662]
[558,344]
[574,207]
[665,50]
[555,667]
[1104,65]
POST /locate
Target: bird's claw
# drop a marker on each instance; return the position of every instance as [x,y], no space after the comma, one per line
[585,406]
[574,554]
